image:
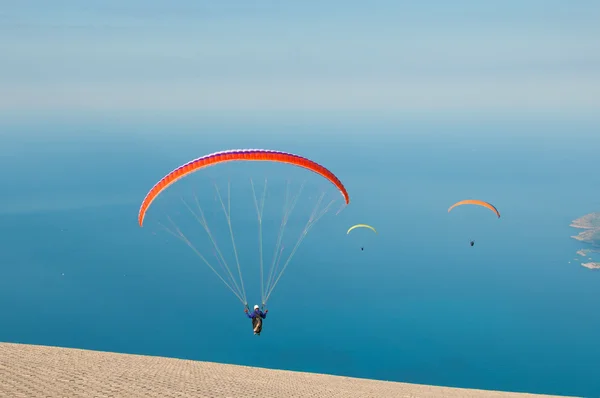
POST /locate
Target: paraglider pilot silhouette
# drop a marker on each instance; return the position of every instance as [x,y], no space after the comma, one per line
[257,316]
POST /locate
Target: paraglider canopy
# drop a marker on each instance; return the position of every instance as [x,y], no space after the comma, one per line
[220,265]
[362,248]
[475,202]
[256,155]
[360,226]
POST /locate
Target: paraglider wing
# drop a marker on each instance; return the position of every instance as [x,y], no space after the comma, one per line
[237,155]
[361,226]
[475,202]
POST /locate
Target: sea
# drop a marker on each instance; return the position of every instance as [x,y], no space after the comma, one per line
[411,302]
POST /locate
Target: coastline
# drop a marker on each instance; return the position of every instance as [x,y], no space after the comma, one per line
[591,265]
[590,223]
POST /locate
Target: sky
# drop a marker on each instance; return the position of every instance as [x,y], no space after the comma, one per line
[311,56]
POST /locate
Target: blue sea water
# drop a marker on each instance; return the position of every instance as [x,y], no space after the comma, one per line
[417,305]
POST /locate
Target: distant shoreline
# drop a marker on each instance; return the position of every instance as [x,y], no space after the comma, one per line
[591,265]
[589,221]
[591,235]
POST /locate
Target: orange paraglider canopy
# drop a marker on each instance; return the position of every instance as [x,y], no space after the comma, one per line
[237,155]
[475,202]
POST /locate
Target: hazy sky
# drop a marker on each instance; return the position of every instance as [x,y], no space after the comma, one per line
[303,55]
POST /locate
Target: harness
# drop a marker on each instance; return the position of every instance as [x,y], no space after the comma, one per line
[257,323]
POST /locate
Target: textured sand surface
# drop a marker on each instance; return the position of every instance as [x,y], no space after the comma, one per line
[40,371]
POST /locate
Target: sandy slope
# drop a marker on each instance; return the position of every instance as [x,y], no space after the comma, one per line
[40,371]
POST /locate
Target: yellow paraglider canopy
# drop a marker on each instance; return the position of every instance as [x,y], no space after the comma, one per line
[361,226]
